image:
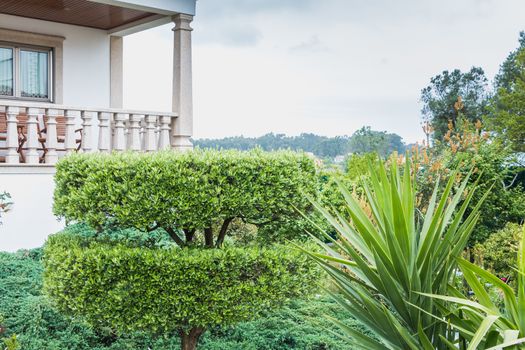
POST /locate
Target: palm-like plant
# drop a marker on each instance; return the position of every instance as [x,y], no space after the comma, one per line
[390,253]
[481,324]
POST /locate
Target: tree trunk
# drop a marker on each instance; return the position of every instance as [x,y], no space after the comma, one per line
[208,237]
[189,340]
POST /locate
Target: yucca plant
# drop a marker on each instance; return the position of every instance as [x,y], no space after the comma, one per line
[480,324]
[390,253]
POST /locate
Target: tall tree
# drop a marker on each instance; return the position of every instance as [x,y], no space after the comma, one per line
[509,71]
[506,115]
[441,96]
[366,140]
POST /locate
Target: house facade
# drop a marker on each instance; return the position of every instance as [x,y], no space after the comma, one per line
[61,91]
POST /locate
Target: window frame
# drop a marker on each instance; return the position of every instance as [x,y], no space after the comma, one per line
[17,93]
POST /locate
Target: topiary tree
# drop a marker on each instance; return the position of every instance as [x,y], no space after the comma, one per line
[194,197]
[184,193]
[170,291]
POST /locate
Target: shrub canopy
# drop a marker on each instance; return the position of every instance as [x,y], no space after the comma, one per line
[167,291]
[190,192]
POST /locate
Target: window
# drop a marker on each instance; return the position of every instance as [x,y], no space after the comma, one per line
[25,72]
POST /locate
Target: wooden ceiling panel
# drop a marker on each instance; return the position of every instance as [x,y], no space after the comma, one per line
[78,12]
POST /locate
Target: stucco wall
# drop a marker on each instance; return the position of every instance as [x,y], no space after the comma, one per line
[31,220]
[86,69]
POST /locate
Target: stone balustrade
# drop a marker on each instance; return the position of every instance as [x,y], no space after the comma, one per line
[39,133]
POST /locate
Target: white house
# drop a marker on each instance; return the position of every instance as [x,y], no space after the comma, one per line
[61,87]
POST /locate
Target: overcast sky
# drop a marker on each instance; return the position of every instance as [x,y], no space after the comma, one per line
[322,66]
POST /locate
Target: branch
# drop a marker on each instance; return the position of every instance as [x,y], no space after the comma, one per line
[222,232]
[173,234]
[511,183]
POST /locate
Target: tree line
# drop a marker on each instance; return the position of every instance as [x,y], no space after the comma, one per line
[362,141]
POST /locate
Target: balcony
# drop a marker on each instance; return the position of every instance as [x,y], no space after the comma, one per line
[39,134]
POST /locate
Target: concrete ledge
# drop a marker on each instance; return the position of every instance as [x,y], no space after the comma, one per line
[27,169]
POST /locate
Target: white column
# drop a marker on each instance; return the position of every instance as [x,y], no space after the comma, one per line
[32,136]
[134,143]
[51,136]
[12,155]
[119,138]
[164,132]
[116,49]
[182,126]
[87,131]
[70,141]
[104,135]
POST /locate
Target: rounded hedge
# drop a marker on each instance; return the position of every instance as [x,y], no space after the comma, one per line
[200,190]
[164,291]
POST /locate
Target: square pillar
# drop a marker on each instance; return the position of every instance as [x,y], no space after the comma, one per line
[116,49]
[182,126]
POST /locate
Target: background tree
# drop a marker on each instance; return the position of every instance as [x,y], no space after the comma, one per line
[508,71]
[507,108]
[363,141]
[366,140]
[443,92]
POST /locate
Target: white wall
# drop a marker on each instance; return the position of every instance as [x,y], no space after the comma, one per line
[86,59]
[31,219]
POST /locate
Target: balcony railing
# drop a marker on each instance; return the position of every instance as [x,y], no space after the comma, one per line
[40,133]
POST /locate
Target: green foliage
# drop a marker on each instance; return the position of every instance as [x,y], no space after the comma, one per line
[440,96]
[297,325]
[388,253]
[507,108]
[356,165]
[321,146]
[162,291]
[366,140]
[509,70]
[187,192]
[499,252]
[11,343]
[493,169]
[480,323]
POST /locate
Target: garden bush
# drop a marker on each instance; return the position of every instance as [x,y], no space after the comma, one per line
[41,327]
[184,193]
[167,291]
[499,252]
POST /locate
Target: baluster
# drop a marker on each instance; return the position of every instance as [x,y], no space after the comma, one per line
[12,155]
[87,131]
[134,132]
[150,143]
[51,156]
[104,135]
[127,133]
[32,136]
[119,138]
[70,141]
[143,134]
[164,137]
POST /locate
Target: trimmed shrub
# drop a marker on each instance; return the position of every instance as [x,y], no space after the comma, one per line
[170,291]
[41,327]
[184,193]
